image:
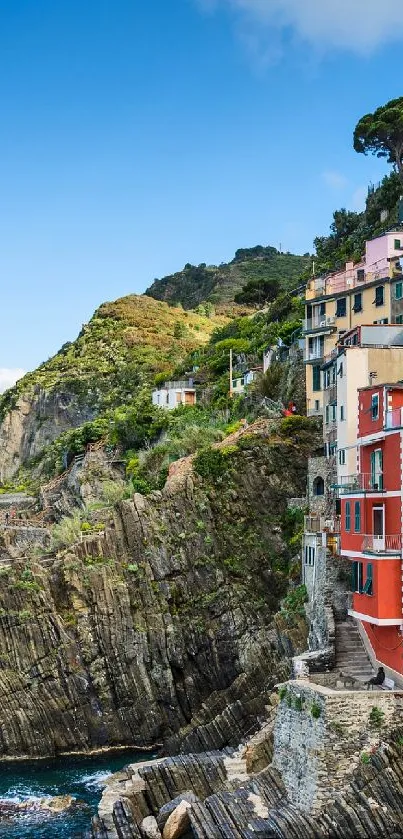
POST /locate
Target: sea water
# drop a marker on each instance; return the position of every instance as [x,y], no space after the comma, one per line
[81,777]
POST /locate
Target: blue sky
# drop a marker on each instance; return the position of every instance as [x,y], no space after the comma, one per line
[138,136]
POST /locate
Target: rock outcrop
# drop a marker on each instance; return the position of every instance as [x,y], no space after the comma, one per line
[37,419]
[159,630]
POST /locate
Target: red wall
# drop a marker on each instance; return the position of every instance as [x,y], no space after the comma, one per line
[366,425]
[387,643]
[391,460]
[386,600]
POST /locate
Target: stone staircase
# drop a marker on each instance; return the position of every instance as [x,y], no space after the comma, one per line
[351,656]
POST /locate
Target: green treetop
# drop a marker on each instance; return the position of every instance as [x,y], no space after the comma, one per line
[381,133]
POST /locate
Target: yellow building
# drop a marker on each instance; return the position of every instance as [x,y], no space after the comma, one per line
[370,292]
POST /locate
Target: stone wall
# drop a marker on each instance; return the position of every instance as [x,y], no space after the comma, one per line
[321,505]
[321,736]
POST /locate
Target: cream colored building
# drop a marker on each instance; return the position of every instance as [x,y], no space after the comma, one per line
[369,354]
[370,292]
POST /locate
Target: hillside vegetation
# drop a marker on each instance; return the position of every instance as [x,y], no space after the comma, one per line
[220,285]
[123,341]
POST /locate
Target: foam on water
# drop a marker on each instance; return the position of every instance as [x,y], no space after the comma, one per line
[82,778]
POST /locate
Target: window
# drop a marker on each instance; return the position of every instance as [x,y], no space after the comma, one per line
[360,275]
[317,405]
[379,295]
[357,517]
[322,309]
[399,319]
[342,457]
[347,516]
[341,413]
[318,486]
[375,406]
[368,582]
[377,469]
[357,577]
[397,245]
[357,303]
[340,370]
[341,307]
[333,409]
[316,378]
[327,414]
[399,291]
[309,555]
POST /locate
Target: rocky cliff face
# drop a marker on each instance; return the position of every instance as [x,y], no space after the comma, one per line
[161,629]
[37,420]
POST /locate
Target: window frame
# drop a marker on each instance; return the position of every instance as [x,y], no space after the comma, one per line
[357,307]
[347,517]
[357,517]
[341,300]
[400,286]
[379,290]
[375,401]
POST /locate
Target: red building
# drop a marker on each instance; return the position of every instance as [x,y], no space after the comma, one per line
[371,522]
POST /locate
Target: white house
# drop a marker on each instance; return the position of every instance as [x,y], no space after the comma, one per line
[174,394]
[239,384]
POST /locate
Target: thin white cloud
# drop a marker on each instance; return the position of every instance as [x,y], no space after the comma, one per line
[334,180]
[360,26]
[9,376]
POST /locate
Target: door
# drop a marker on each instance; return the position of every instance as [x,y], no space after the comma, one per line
[379,528]
[376,470]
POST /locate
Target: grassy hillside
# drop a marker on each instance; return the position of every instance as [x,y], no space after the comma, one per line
[218,285]
[132,336]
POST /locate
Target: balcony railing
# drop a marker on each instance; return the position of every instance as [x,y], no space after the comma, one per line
[313,355]
[314,412]
[351,278]
[319,524]
[331,394]
[324,322]
[394,418]
[382,544]
[361,482]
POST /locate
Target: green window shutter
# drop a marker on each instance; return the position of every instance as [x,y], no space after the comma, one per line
[399,291]
[397,244]
[348,516]
[368,582]
[357,516]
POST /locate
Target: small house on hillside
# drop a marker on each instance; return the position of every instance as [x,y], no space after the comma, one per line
[240,383]
[173,394]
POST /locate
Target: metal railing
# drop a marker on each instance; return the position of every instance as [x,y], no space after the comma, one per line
[313,355]
[179,385]
[355,277]
[331,394]
[322,322]
[394,418]
[382,544]
[360,482]
[314,412]
[320,524]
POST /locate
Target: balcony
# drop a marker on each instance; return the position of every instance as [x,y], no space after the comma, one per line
[314,412]
[318,524]
[315,354]
[331,394]
[394,418]
[361,482]
[386,544]
[323,323]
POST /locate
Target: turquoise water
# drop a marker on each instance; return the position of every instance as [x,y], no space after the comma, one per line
[81,777]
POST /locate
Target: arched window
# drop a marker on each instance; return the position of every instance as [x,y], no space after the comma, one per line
[318,486]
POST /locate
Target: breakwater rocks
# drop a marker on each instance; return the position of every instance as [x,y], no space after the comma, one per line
[160,629]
